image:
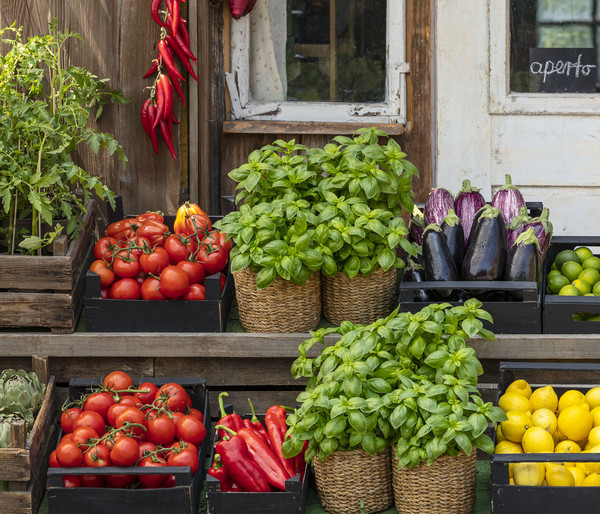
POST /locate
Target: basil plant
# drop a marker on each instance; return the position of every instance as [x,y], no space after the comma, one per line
[408,380]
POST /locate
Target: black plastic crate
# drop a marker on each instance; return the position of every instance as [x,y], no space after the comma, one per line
[182,499]
[515,499]
[558,311]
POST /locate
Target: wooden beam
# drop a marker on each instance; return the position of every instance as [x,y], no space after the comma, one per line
[286,127]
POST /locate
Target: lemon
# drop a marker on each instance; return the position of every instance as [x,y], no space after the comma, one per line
[508,447]
[558,476]
[556,283]
[578,475]
[515,426]
[592,396]
[544,397]
[529,473]
[499,435]
[519,386]
[590,275]
[591,263]
[569,290]
[514,401]
[595,412]
[594,436]
[537,440]
[545,419]
[593,467]
[583,252]
[575,422]
[592,480]
[596,289]
[565,256]
[569,398]
[567,446]
[583,286]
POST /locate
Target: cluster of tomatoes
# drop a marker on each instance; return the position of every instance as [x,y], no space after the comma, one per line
[141,258]
[123,425]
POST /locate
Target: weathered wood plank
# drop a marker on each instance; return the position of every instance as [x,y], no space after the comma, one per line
[64,369]
[261,400]
[36,310]
[285,127]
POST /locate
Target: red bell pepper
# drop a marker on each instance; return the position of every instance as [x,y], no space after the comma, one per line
[218,471]
[232,421]
[240,465]
[258,426]
[275,421]
[299,462]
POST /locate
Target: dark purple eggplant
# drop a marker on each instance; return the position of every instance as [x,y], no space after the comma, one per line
[467,202]
[485,258]
[509,200]
[438,261]
[543,231]
[453,232]
[416,225]
[414,272]
[438,203]
[516,227]
[523,262]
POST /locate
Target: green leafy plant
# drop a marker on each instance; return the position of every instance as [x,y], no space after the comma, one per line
[407,380]
[46,110]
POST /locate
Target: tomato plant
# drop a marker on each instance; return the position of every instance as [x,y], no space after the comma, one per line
[174,282]
[125,289]
[100,268]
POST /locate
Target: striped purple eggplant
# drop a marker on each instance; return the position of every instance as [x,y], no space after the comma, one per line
[517,226]
[416,225]
[543,230]
[509,200]
[438,203]
[467,202]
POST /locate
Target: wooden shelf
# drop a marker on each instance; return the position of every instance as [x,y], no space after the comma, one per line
[307,127]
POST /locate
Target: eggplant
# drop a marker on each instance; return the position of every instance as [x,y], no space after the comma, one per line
[485,258]
[524,262]
[509,200]
[467,203]
[543,231]
[414,272]
[438,203]
[416,225]
[516,227]
[453,232]
[438,261]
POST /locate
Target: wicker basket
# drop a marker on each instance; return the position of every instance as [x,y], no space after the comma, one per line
[281,307]
[359,299]
[347,477]
[448,486]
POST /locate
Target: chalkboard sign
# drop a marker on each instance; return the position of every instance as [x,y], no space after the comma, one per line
[562,70]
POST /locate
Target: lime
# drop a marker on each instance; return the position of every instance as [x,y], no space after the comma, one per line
[557,282]
[592,262]
[569,290]
[553,272]
[583,253]
[571,270]
[554,267]
[596,289]
[595,317]
[564,256]
[590,275]
[583,286]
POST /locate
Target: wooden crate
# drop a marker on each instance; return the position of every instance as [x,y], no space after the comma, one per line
[47,291]
[24,465]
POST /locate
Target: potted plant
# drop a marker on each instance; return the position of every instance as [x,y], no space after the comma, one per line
[46,110]
[406,382]
[361,197]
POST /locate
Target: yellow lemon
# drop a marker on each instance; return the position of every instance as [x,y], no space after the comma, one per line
[529,473]
[515,426]
[594,437]
[569,290]
[575,422]
[499,435]
[514,401]
[567,446]
[545,419]
[519,386]
[508,447]
[559,476]
[581,465]
[592,396]
[583,252]
[593,467]
[592,480]
[590,275]
[537,440]
[595,412]
[583,286]
[578,475]
[570,397]
[544,397]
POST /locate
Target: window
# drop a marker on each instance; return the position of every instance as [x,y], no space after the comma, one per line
[320,60]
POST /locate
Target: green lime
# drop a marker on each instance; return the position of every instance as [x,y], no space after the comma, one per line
[592,262]
[571,270]
[596,289]
[576,317]
[554,267]
[595,317]
[553,272]
[583,286]
[557,282]
[569,290]
[590,275]
[564,256]
[583,252]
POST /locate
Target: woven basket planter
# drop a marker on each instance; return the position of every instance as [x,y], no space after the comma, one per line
[448,486]
[359,299]
[347,477]
[281,307]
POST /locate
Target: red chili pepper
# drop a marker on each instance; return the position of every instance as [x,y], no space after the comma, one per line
[258,426]
[167,90]
[144,116]
[176,86]
[154,8]
[277,427]
[153,69]
[175,15]
[232,421]
[240,465]
[152,114]
[299,462]
[183,58]
[160,104]
[183,45]
[262,455]
[185,35]
[163,50]
[218,471]
[164,131]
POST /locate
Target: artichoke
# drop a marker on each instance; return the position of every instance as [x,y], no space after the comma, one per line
[5,422]
[21,394]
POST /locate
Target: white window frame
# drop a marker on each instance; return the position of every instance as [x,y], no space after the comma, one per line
[393,110]
[504,101]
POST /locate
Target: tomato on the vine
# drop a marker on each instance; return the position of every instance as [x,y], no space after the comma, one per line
[190,428]
[149,393]
[151,289]
[174,282]
[150,215]
[184,458]
[214,259]
[153,262]
[100,402]
[133,416]
[114,411]
[71,481]
[152,480]
[154,231]
[131,400]
[183,223]
[197,414]
[67,418]
[68,455]
[121,230]
[174,396]
[218,239]
[179,247]
[144,447]
[90,418]
[125,451]
[91,480]
[100,268]
[195,292]
[194,269]
[84,436]
[97,456]
[126,265]
[118,381]
[135,246]
[104,248]
[161,430]
[125,289]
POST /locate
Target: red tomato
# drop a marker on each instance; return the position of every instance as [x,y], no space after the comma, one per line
[146,446]
[184,458]
[216,238]
[154,231]
[135,247]
[173,396]
[154,262]
[68,455]
[71,481]
[213,260]
[114,411]
[152,480]
[179,248]
[84,436]
[131,400]
[105,292]
[118,381]
[150,215]
[195,292]
[174,282]
[52,462]
[197,414]
[161,430]
[171,482]
[151,289]
[125,289]
[121,230]
[194,269]
[119,481]
[132,415]
[147,397]
[68,417]
[97,456]
[125,451]
[185,445]
[91,480]
[99,402]
[104,248]
[107,276]
[90,418]
[177,416]
[191,429]
[126,265]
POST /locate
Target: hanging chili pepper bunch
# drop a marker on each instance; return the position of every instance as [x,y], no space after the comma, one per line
[248,456]
[238,8]
[157,111]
